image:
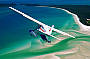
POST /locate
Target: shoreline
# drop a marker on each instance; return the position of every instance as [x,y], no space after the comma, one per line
[83,28]
[76,18]
[73,50]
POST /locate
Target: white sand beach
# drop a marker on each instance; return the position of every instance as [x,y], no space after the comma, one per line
[53,55]
[83,28]
[76,18]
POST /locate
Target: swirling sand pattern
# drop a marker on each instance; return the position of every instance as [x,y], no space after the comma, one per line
[16,42]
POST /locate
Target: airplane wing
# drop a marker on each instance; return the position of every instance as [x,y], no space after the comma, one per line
[29,17]
[40,23]
[58,31]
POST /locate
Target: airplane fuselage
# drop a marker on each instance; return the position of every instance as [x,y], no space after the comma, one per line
[46,29]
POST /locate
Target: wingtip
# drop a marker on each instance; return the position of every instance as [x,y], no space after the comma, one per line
[73,37]
[10,7]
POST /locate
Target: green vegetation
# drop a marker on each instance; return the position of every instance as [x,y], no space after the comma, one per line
[83,11]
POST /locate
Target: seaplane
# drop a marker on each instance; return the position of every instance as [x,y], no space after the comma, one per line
[43,27]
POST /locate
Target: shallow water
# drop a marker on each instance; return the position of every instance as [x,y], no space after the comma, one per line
[16,41]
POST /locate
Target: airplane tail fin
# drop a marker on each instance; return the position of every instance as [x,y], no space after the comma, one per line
[53,26]
[50,30]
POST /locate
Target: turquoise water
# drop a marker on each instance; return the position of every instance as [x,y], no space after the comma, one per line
[15,40]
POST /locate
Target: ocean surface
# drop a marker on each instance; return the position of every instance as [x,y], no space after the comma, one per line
[16,42]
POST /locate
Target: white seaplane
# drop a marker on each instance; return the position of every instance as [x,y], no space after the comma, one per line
[44,28]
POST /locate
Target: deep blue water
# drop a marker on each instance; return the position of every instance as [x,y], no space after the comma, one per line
[14,28]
